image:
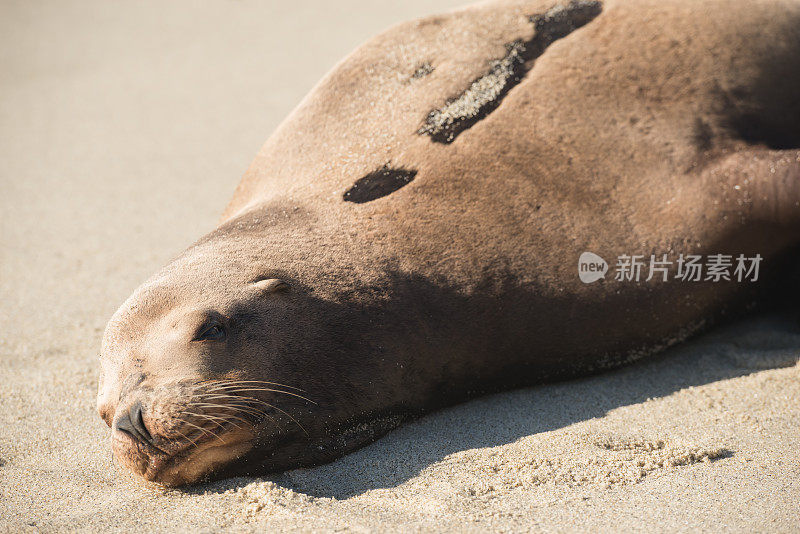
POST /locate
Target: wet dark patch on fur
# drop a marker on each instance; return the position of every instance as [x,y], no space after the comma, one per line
[378,184]
[484,95]
[422,70]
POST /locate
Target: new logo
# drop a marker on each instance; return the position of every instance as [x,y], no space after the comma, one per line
[591,267]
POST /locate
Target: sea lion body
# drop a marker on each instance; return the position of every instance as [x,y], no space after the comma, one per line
[425,208]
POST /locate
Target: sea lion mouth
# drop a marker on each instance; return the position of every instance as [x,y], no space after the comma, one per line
[183,461]
[181,433]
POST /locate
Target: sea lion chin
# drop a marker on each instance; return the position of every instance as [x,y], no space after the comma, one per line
[408,237]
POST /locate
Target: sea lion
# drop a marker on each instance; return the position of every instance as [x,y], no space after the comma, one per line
[410,236]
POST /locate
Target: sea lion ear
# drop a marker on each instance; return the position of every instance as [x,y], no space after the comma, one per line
[270,285]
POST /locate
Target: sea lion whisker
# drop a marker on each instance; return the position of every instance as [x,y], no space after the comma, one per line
[231,400]
[248,400]
[215,419]
[235,389]
[287,414]
[201,429]
[246,409]
[215,396]
[184,436]
[223,382]
[253,412]
[237,408]
[225,387]
[245,387]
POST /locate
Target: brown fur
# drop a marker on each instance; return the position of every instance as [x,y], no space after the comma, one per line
[659,126]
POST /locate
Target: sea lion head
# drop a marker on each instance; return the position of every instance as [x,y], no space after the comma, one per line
[209,365]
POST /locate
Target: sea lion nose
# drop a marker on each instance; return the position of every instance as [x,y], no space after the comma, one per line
[131,421]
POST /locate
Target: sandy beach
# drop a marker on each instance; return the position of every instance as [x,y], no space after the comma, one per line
[125,129]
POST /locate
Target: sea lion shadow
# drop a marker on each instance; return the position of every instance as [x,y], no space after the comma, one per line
[757,343]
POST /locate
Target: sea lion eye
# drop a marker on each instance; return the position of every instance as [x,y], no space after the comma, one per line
[210,332]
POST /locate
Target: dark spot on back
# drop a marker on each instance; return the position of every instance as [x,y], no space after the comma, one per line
[484,95]
[378,184]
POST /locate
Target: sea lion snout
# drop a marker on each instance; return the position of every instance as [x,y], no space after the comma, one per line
[179,432]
